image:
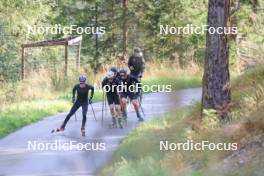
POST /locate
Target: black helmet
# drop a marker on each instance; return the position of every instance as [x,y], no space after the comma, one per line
[82,79]
[137,50]
[122,72]
[113,69]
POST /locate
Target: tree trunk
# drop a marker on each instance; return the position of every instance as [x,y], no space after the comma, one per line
[96,64]
[124,29]
[113,52]
[216,79]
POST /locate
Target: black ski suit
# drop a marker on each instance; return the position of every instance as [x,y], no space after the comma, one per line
[82,101]
[138,63]
[111,90]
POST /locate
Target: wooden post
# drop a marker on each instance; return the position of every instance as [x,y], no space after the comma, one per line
[124,29]
[66,60]
[78,55]
[22,63]
[66,42]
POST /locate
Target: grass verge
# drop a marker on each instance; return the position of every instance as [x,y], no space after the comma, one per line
[139,154]
[21,114]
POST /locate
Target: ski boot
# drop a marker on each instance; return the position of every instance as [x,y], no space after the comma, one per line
[120,123]
[114,125]
[83,132]
[140,119]
[125,117]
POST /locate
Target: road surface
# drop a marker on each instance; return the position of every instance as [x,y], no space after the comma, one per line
[17,158]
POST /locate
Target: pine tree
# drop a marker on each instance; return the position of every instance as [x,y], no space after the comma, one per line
[216,80]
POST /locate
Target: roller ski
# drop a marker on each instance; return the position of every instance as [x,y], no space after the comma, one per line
[114,124]
[120,123]
[83,132]
[57,130]
[125,117]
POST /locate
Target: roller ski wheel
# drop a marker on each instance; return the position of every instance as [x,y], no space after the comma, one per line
[125,121]
[57,130]
[112,126]
[140,119]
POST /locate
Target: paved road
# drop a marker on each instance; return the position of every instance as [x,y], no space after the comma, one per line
[16,159]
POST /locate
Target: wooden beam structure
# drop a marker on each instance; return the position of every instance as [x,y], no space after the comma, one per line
[78,57]
[56,42]
[69,41]
[66,60]
[22,62]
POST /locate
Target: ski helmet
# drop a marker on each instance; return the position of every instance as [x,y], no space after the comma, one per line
[110,74]
[122,72]
[82,79]
[137,50]
[113,69]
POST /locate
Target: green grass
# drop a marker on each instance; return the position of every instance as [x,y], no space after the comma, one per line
[139,154]
[177,83]
[21,114]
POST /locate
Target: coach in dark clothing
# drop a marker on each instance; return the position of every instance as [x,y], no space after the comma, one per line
[136,63]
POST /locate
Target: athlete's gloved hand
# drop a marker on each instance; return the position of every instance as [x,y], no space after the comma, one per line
[90,101]
[73,100]
[131,68]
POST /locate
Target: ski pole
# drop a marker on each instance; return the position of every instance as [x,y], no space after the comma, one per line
[93,112]
[142,110]
[140,105]
[103,107]
[75,117]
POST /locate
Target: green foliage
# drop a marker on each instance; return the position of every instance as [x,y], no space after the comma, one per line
[15,17]
[143,20]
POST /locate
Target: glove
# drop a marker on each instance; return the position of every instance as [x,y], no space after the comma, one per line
[131,68]
[73,100]
[90,101]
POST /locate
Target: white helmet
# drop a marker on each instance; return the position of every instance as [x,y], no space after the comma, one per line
[110,74]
